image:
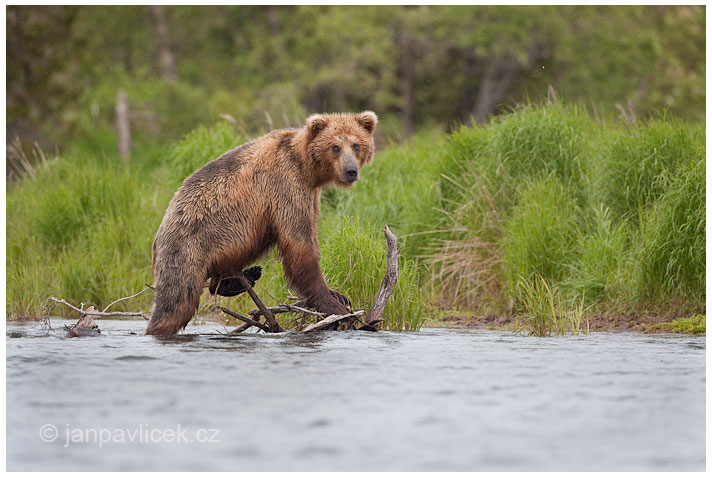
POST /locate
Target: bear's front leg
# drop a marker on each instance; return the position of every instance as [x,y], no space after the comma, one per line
[300,260]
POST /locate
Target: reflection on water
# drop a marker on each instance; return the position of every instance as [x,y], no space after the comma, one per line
[431,400]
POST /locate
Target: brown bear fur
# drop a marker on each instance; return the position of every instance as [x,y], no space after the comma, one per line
[236,207]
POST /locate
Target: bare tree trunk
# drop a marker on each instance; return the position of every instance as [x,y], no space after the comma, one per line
[499,77]
[123,125]
[405,48]
[166,59]
[273,18]
[470,73]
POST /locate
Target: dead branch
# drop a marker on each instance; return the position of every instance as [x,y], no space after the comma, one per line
[240,329]
[248,321]
[287,308]
[273,324]
[96,312]
[389,280]
[324,323]
[125,298]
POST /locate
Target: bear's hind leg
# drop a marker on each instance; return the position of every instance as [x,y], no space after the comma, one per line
[173,308]
[231,286]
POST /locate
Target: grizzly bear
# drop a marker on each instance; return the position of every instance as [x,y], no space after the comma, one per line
[235,208]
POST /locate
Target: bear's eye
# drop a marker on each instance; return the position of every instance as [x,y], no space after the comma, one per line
[356,148]
[336,149]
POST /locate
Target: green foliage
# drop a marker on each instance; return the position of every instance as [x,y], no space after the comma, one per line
[671,244]
[540,235]
[535,141]
[601,212]
[90,234]
[546,311]
[602,252]
[270,65]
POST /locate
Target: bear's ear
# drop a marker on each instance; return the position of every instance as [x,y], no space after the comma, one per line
[368,120]
[315,123]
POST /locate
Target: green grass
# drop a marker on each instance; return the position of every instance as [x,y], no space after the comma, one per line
[540,206]
[354,254]
[200,146]
[671,244]
[545,312]
[601,253]
[539,236]
[634,169]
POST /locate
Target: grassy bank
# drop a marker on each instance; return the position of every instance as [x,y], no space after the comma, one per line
[542,202]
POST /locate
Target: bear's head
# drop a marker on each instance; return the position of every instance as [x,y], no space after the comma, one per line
[339,145]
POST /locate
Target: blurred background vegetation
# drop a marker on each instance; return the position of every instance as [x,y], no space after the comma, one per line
[559,146]
[269,66]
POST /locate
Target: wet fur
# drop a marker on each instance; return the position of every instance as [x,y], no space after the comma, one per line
[234,209]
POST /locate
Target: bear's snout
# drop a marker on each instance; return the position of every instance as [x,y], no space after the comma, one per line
[351,173]
[350,169]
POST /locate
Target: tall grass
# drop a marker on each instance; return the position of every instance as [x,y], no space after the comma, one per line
[532,142]
[671,245]
[540,235]
[602,252]
[635,167]
[200,146]
[539,203]
[614,214]
[80,230]
[354,254]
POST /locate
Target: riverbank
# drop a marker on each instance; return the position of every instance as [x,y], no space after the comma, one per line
[695,325]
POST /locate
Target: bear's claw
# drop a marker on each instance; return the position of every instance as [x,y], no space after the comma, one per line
[343,300]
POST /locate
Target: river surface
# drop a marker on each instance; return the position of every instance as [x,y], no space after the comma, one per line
[438,399]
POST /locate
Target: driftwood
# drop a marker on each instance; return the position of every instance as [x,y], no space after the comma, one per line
[87,326]
[324,323]
[389,280]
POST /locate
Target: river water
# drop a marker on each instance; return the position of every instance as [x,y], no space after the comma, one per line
[438,399]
